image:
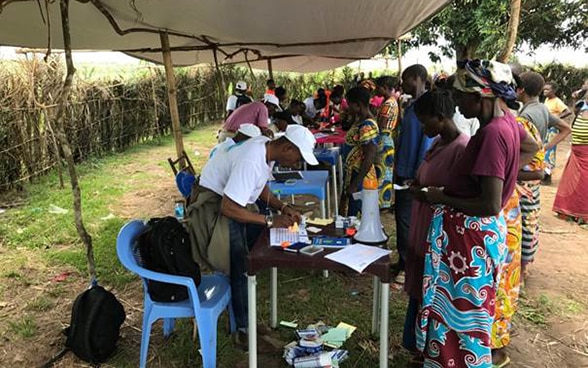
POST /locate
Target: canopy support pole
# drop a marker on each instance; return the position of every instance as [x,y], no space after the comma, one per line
[171,94]
[399,52]
[219,72]
[270,69]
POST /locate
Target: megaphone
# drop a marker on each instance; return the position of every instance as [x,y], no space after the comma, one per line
[370,231]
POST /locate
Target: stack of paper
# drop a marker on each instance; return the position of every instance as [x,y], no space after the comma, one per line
[358,256]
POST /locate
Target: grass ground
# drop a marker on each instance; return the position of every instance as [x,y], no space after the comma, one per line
[42,269]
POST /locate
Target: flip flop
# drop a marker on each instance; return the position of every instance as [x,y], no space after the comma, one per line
[505,363]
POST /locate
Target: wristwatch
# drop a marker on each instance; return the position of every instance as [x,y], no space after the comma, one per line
[269,220]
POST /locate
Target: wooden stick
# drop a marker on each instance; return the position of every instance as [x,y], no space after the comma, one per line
[59,118]
[172,97]
[270,70]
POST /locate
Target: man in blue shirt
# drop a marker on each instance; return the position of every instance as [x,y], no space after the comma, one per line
[411,148]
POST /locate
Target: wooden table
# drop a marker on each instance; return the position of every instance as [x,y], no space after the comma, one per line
[262,256]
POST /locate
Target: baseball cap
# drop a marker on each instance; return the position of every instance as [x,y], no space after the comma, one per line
[304,140]
[272,99]
[249,130]
[242,86]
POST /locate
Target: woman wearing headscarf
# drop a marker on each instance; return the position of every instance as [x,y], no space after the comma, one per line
[467,236]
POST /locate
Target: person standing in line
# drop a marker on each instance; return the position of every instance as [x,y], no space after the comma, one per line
[387,119]
[571,201]
[362,139]
[531,86]
[557,108]
[435,109]
[412,146]
[468,230]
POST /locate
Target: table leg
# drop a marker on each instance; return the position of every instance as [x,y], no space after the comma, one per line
[385,303]
[341,172]
[335,191]
[274,297]
[252,319]
[328,190]
[376,307]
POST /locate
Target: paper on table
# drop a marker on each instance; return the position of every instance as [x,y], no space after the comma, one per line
[313,229]
[320,222]
[358,256]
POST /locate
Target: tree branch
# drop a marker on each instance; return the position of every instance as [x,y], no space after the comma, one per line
[59,118]
[513,28]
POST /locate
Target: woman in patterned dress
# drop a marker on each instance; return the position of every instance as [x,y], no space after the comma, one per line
[362,140]
[507,295]
[387,119]
[467,236]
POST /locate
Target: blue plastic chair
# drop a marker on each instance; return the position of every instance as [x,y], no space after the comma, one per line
[184,182]
[205,303]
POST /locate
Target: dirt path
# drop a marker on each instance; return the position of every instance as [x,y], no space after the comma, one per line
[556,289]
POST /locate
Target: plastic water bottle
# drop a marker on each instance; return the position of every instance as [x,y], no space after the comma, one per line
[179,210]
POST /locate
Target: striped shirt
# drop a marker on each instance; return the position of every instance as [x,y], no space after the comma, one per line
[580,130]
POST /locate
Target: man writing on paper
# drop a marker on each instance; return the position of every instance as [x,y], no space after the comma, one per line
[222,229]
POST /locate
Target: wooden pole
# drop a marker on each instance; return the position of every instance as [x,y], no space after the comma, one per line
[171,94]
[221,77]
[399,52]
[59,117]
[270,69]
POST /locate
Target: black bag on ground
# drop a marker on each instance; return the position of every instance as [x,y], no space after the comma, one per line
[165,247]
[96,318]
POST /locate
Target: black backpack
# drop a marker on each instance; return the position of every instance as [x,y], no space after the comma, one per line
[164,246]
[242,100]
[96,318]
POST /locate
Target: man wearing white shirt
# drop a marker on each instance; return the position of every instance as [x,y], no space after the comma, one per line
[238,99]
[245,132]
[222,229]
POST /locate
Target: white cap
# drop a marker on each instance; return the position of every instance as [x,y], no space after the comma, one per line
[242,86]
[249,130]
[272,99]
[304,140]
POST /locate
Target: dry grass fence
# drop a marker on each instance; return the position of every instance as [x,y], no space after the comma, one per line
[109,114]
[103,116]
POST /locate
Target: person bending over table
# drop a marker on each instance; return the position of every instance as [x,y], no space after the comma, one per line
[221,228]
[256,113]
[362,140]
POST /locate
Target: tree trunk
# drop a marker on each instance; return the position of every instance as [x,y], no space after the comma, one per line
[468,51]
[59,118]
[513,28]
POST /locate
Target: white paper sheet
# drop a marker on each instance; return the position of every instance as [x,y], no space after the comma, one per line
[358,256]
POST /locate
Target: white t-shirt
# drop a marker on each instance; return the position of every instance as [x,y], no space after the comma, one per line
[221,148]
[310,111]
[241,173]
[232,102]
[468,127]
